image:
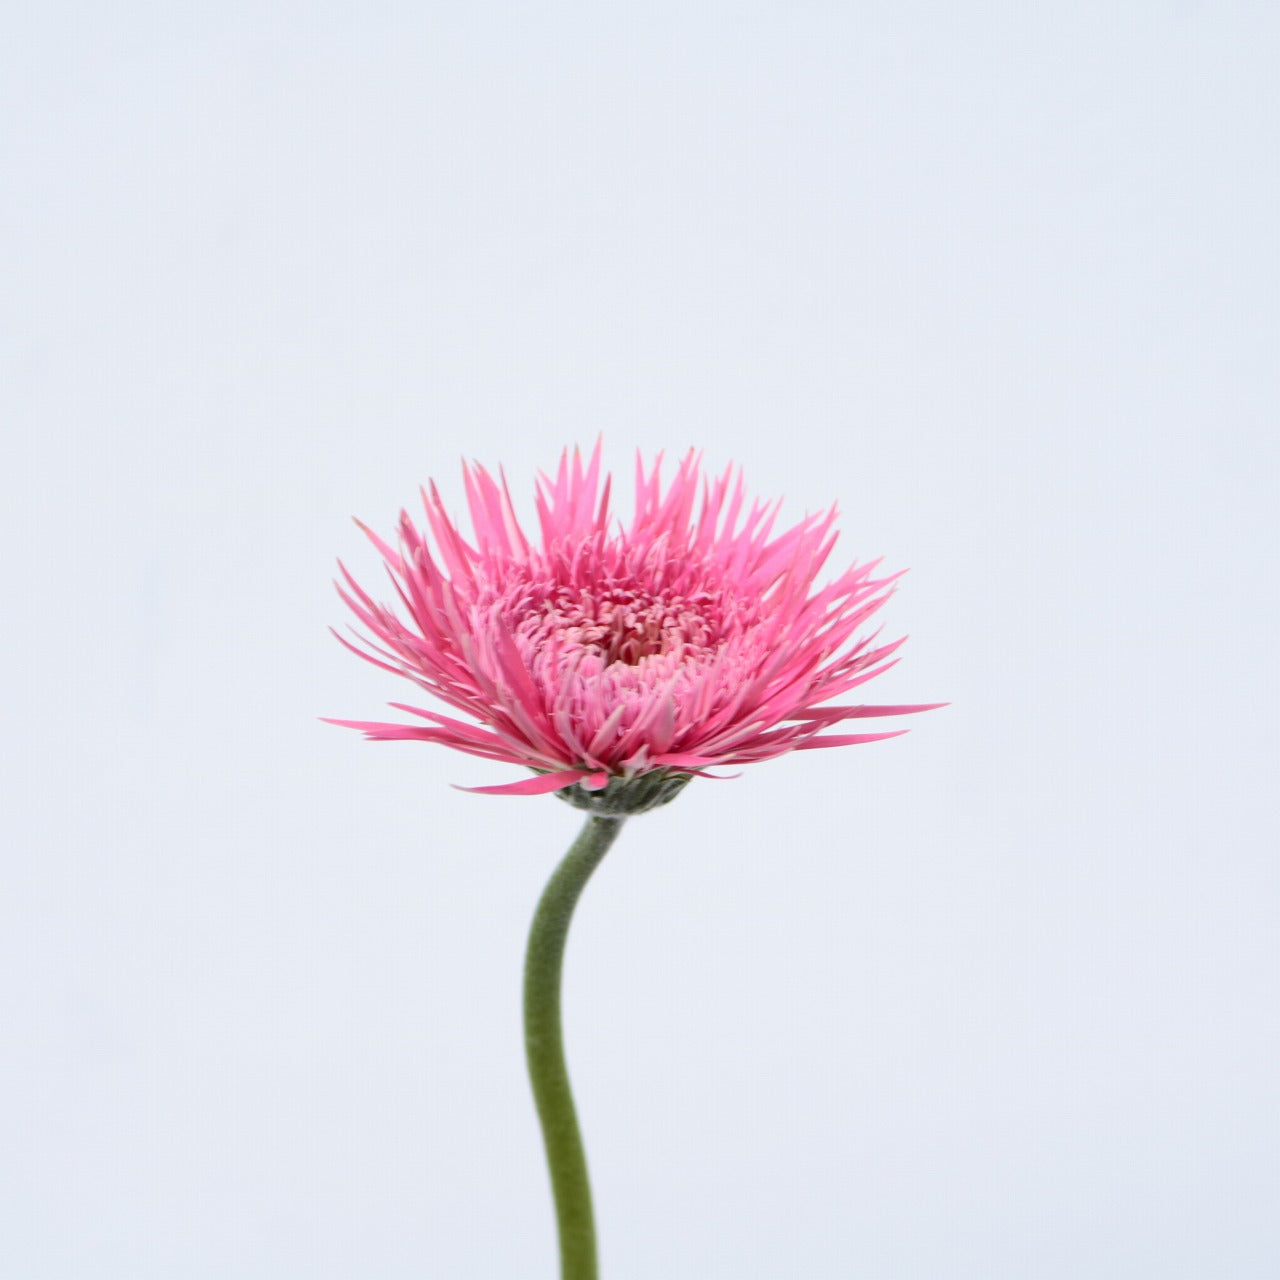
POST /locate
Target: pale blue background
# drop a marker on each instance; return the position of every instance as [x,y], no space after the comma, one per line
[994,1001]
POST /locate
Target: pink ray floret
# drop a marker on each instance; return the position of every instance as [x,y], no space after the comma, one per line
[690,638]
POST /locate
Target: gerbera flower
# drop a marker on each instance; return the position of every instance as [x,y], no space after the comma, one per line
[617,660]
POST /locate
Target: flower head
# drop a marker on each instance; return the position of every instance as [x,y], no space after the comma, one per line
[617,661]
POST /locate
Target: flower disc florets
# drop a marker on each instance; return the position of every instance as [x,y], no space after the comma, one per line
[605,654]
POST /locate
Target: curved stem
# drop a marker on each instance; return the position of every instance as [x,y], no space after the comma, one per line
[544,1047]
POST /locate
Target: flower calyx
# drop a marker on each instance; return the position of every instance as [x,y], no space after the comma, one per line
[622,797]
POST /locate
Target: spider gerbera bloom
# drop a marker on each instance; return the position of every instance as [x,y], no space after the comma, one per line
[616,661]
[604,653]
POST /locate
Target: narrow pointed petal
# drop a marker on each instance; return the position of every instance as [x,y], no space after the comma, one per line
[831,715]
[847,739]
[538,786]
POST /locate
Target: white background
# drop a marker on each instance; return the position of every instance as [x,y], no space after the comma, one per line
[993,1001]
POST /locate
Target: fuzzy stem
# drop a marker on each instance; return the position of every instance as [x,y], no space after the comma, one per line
[544,1047]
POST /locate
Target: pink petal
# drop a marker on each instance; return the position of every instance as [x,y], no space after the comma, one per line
[829,715]
[847,739]
[531,786]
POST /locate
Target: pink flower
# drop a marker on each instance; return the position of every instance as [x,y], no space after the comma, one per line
[690,638]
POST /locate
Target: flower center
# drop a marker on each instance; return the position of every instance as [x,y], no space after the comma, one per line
[625,624]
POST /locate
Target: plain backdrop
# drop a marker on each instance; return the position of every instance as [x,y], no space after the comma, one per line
[993,1001]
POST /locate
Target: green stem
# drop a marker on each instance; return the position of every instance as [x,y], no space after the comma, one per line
[544,1047]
